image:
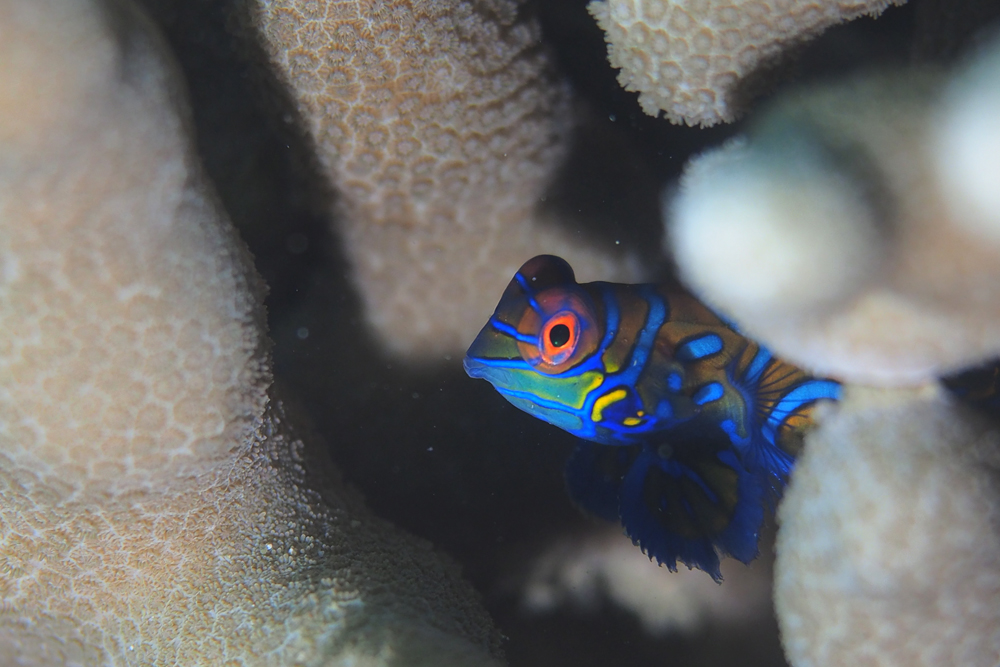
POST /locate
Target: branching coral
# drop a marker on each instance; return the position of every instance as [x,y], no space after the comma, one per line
[853,232]
[692,60]
[889,548]
[157,506]
[855,229]
[583,572]
[439,124]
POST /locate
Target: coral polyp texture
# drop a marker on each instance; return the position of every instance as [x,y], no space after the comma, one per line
[157,506]
[855,228]
[694,59]
[889,546]
[439,124]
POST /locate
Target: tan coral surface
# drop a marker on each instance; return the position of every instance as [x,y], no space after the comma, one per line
[842,232]
[691,58]
[889,540]
[585,572]
[440,125]
[157,508]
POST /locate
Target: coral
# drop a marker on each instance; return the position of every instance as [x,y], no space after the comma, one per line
[967,143]
[854,231]
[855,228]
[158,508]
[889,547]
[694,60]
[583,572]
[439,125]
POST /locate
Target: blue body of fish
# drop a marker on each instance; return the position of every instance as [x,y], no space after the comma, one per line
[690,429]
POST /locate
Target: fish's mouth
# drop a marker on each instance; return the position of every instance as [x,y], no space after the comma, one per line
[474,368]
[517,386]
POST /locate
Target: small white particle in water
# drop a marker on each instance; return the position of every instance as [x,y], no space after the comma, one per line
[430,449]
[617,242]
[302,333]
[612,118]
[416,395]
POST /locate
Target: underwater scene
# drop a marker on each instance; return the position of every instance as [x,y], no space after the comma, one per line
[730,271]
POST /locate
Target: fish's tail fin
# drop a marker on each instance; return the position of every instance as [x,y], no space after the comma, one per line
[693,508]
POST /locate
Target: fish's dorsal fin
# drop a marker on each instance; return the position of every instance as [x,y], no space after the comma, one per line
[545,271]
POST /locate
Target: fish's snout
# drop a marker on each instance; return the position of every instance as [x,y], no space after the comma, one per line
[473,368]
[475,361]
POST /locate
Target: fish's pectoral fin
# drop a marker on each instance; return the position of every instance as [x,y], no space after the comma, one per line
[594,476]
[782,404]
[693,508]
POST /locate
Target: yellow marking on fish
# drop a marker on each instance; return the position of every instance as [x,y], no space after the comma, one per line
[604,401]
[585,392]
[571,392]
[631,421]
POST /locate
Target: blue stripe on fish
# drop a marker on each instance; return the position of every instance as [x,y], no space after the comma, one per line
[528,290]
[513,364]
[805,393]
[654,320]
[708,393]
[507,329]
[612,316]
[757,366]
[699,348]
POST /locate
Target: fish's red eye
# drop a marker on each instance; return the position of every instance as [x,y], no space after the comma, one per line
[559,337]
[558,330]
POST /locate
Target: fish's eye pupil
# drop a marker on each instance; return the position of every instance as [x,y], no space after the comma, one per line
[559,335]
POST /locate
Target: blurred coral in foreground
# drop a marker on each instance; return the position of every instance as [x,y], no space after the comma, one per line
[856,228]
[856,231]
[584,572]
